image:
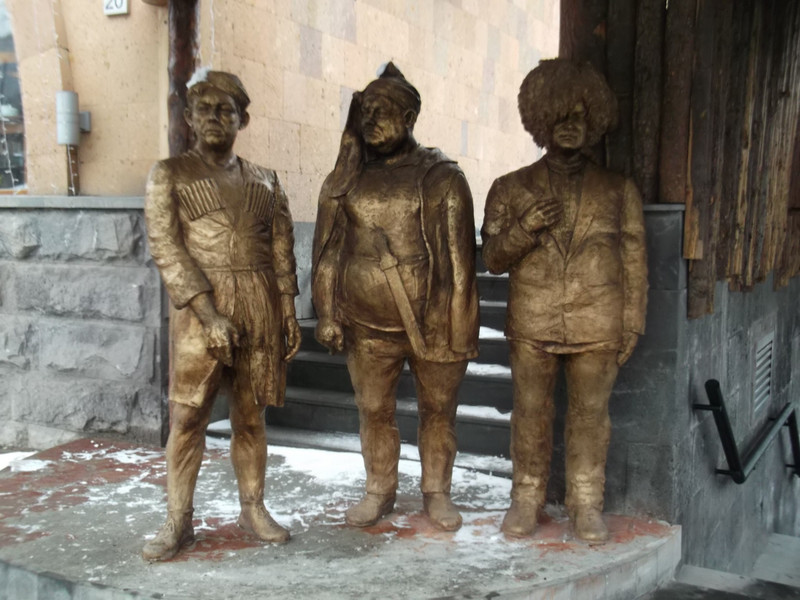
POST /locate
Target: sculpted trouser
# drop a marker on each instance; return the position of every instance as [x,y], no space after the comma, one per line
[375,361]
[590,378]
[187,441]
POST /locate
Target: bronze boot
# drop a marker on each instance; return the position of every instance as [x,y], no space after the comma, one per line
[521,518]
[175,534]
[441,510]
[588,525]
[256,520]
[369,510]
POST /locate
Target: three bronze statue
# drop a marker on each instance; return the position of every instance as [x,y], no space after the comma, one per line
[393,280]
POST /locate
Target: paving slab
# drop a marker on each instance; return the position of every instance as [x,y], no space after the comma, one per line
[73,520]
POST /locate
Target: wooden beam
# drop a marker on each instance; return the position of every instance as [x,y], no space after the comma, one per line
[647,83]
[583,31]
[734,83]
[620,50]
[698,234]
[677,77]
[183,51]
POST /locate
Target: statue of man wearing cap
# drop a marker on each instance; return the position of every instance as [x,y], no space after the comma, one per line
[394,280]
[221,235]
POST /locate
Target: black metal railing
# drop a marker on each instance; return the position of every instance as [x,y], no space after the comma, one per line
[739,468]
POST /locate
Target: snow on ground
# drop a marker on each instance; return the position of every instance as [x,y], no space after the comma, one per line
[304,485]
[483,412]
[475,368]
[13,460]
[487,333]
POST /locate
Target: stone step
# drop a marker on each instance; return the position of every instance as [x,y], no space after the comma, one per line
[780,561]
[492,346]
[748,587]
[480,429]
[492,287]
[677,590]
[483,385]
[493,314]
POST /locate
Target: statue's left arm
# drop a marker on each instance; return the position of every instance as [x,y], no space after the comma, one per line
[634,263]
[461,246]
[283,262]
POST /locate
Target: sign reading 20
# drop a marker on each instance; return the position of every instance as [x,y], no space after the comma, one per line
[115,7]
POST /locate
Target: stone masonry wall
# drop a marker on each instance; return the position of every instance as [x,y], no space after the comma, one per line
[725,524]
[301,62]
[80,327]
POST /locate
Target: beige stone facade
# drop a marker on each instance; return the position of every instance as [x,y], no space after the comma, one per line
[300,61]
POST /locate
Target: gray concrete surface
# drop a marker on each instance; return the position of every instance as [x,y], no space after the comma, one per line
[73,520]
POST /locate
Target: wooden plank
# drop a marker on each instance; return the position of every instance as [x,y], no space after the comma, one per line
[620,50]
[736,264]
[697,234]
[779,146]
[650,19]
[677,77]
[735,84]
[582,31]
[758,177]
[719,100]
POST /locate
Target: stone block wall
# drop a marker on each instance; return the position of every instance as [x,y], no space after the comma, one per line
[725,524]
[301,62]
[81,340]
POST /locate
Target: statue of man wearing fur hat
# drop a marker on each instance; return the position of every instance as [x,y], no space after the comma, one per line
[221,235]
[394,281]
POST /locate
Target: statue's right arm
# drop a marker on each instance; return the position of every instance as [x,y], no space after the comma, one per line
[184,280]
[182,277]
[505,241]
[327,250]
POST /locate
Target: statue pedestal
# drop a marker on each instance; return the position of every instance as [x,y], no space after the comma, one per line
[73,520]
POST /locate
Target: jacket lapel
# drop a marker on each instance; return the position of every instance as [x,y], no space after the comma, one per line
[537,182]
[586,209]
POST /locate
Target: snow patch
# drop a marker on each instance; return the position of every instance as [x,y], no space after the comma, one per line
[474,368]
[6,458]
[483,412]
[29,465]
[487,333]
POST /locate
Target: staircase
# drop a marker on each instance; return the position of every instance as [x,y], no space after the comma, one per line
[319,396]
[775,576]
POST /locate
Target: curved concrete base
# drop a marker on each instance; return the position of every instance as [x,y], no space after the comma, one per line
[73,520]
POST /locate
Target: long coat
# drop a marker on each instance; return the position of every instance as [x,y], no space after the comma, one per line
[590,291]
[240,250]
[450,320]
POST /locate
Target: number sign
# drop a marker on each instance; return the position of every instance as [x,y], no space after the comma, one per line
[115,7]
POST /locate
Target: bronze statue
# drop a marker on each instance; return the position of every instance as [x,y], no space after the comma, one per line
[221,234]
[571,236]
[394,280]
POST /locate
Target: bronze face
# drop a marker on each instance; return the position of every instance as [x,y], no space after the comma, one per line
[570,132]
[215,119]
[384,124]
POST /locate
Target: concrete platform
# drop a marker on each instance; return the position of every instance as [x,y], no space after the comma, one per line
[73,520]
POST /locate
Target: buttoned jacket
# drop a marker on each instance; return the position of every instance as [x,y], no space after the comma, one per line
[450,320]
[586,292]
